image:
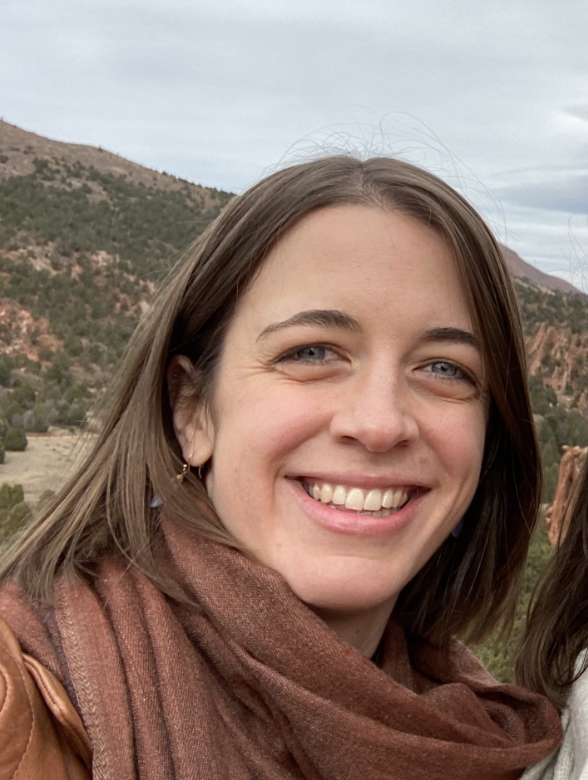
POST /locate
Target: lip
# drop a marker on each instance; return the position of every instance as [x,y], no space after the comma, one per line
[352,523]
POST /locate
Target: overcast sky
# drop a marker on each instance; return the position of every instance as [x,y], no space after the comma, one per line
[491,96]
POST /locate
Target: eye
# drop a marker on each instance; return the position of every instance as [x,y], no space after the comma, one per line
[450,371]
[444,368]
[310,353]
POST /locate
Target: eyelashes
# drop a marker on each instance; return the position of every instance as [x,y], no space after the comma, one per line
[318,354]
[309,354]
[451,371]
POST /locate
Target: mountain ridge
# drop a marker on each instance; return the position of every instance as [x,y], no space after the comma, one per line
[19,148]
[521,269]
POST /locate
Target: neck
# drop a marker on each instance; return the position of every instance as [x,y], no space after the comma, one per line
[362,630]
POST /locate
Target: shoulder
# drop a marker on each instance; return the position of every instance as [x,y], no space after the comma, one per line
[39,727]
[571,759]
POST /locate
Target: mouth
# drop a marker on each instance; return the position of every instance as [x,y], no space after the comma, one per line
[373,502]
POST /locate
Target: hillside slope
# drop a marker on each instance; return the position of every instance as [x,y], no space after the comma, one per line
[520,269]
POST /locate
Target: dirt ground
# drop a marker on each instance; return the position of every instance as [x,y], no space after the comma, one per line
[45,464]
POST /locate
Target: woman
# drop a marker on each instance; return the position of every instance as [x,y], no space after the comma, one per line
[552,657]
[319,466]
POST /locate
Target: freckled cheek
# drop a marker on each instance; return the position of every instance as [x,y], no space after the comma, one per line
[268,428]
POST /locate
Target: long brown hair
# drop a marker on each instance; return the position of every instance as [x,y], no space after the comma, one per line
[467,587]
[557,625]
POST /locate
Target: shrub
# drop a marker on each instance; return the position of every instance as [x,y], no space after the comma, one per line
[19,514]
[33,422]
[16,421]
[13,519]
[45,354]
[15,440]
[74,415]
[46,411]
[24,395]
[5,368]
[10,496]
[44,499]
[73,346]
[13,408]
[59,369]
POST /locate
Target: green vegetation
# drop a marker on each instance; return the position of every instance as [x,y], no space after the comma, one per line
[497,656]
[559,422]
[552,308]
[103,242]
[89,211]
[556,426]
[15,440]
[14,511]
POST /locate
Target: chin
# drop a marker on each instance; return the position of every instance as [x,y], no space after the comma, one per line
[342,591]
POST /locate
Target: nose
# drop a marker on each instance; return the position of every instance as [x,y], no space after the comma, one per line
[378,412]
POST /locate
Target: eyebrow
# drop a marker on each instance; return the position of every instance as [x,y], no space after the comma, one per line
[451,335]
[332,318]
[326,318]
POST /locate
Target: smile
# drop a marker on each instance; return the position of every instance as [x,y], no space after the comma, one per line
[375,502]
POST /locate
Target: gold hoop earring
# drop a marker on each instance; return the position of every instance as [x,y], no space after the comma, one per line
[200,472]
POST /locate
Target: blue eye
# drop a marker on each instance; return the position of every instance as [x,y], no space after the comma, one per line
[446,369]
[311,354]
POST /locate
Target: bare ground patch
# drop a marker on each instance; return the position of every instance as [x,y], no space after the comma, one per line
[46,463]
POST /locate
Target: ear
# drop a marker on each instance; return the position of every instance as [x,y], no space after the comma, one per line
[192,424]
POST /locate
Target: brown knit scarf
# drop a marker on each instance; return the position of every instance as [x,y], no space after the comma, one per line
[254,685]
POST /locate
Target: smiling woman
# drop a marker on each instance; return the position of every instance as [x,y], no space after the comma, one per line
[319,467]
[349,380]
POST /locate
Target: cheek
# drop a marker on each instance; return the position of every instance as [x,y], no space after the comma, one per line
[470,451]
[460,444]
[271,424]
[255,437]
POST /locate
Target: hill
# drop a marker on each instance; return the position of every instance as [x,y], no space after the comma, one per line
[520,269]
[85,235]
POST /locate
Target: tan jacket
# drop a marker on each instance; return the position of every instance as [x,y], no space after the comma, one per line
[41,734]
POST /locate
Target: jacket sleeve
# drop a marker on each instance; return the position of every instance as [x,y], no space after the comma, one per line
[41,734]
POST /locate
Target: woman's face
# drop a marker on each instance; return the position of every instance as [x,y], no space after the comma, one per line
[347,425]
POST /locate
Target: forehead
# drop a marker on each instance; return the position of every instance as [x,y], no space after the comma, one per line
[363,260]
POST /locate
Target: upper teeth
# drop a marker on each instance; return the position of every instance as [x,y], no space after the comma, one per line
[357,498]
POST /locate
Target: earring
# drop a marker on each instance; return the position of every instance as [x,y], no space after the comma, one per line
[182,475]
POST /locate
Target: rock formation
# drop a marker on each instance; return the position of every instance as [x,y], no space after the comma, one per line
[557,516]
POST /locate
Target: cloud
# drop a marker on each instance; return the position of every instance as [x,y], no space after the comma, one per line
[219,92]
[568,195]
[580,111]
